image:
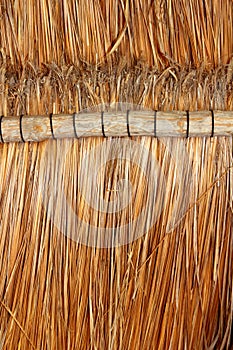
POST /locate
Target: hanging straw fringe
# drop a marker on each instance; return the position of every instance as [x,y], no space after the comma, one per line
[172,287]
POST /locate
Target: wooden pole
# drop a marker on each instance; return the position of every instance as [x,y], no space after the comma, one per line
[130,123]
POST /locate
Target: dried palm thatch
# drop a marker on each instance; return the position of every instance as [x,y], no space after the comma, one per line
[117,243]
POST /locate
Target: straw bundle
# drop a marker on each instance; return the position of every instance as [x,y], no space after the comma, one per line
[116,243]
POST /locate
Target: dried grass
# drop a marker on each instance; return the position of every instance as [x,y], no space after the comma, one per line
[157,32]
[172,287]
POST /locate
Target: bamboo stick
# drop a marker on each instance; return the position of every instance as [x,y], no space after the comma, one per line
[110,124]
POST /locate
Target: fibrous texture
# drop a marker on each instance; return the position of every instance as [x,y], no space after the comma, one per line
[116,243]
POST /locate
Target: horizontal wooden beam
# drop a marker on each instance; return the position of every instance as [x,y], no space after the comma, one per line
[110,124]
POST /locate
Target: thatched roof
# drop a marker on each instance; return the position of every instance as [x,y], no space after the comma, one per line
[77,270]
